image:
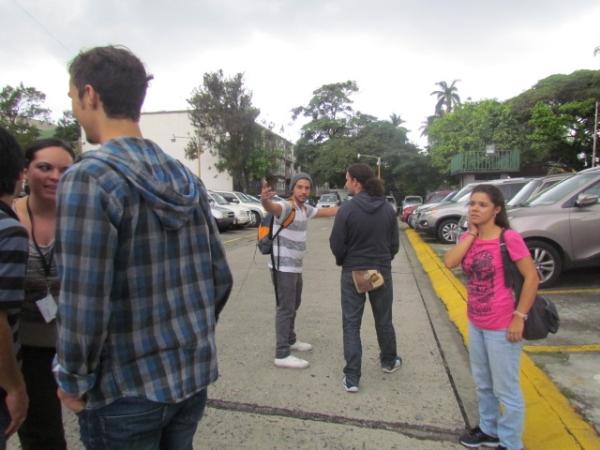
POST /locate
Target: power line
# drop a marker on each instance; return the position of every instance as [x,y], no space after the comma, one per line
[41,25]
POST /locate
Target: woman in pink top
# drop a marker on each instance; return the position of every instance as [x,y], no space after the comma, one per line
[495,325]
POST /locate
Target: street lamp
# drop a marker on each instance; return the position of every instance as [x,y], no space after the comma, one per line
[378,158]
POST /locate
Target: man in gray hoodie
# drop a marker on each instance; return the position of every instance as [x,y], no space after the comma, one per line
[142,270]
[365,237]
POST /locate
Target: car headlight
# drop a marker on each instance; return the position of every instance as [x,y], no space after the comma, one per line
[217,214]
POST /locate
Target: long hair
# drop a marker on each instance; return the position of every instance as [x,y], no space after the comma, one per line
[496,197]
[369,182]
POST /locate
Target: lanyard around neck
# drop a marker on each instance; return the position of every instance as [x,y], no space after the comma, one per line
[46,263]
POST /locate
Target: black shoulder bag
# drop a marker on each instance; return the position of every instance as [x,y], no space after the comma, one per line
[543,317]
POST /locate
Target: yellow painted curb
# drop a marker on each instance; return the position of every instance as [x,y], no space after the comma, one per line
[562,348]
[551,423]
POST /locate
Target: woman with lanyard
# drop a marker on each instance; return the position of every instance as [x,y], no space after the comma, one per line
[46,161]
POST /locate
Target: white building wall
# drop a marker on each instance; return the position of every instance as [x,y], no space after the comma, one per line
[165,126]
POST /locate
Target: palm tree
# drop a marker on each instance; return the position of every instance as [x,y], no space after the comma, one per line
[396,119]
[447,97]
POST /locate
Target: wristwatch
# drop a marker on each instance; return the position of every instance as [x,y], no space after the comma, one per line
[520,314]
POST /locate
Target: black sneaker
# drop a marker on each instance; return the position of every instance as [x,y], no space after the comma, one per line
[395,365]
[475,437]
[349,387]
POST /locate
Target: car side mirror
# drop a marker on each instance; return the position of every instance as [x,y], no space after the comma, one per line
[586,200]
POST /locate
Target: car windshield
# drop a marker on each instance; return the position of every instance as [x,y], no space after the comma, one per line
[565,187]
[462,193]
[414,200]
[524,194]
[329,198]
[219,199]
[247,197]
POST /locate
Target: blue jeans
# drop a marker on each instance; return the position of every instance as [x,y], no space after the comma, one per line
[353,305]
[135,423]
[495,365]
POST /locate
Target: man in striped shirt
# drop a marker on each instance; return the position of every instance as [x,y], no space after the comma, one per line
[142,269]
[288,252]
[13,262]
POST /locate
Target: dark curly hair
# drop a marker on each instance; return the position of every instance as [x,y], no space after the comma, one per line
[117,75]
[12,162]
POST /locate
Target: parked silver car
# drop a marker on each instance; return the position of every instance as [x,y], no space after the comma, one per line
[239,198]
[243,216]
[442,220]
[562,225]
[536,187]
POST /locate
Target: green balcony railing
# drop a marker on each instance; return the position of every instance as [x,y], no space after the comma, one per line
[482,162]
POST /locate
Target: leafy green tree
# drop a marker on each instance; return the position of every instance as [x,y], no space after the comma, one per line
[471,127]
[68,129]
[322,148]
[329,110]
[447,97]
[558,116]
[20,108]
[224,120]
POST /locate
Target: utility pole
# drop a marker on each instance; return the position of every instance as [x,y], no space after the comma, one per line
[595,141]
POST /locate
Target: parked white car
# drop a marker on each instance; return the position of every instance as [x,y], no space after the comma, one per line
[243,216]
[239,198]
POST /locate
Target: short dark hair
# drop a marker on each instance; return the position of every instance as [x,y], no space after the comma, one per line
[41,144]
[497,198]
[364,175]
[117,75]
[12,162]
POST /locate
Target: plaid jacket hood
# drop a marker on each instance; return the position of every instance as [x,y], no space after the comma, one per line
[165,184]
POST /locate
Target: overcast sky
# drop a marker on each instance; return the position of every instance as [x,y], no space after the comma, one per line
[395,50]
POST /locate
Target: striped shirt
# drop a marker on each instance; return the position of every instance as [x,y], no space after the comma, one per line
[290,246]
[13,261]
[143,277]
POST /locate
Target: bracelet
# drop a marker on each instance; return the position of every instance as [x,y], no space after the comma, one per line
[520,314]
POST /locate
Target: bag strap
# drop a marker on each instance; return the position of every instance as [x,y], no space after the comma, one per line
[512,277]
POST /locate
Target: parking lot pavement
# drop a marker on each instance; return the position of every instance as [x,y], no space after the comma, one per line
[568,360]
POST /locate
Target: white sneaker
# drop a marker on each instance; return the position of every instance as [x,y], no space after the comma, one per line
[291,362]
[301,346]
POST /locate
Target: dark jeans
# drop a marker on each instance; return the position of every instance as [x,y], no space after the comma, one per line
[289,292]
[43,428]
[353,305]
[135,423]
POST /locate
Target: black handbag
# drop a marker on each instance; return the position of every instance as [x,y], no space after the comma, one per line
[543,317]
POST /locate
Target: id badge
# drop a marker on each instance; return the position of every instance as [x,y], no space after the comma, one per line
[47,307]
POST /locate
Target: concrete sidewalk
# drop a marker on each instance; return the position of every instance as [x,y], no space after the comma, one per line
[423,406]
[254,405]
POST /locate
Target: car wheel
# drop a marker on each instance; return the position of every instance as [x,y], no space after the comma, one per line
[447,231]
[547,260]
[255,220]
